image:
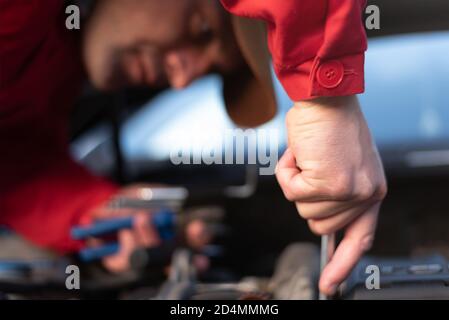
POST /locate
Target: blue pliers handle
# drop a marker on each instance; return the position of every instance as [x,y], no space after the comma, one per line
[163,221]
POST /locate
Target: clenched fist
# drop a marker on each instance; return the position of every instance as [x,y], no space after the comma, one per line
[332,171]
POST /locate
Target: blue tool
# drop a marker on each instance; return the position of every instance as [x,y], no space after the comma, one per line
[92,254]
[102,228]
[163,221]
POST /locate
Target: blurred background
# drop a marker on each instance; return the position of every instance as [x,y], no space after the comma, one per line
[127,136]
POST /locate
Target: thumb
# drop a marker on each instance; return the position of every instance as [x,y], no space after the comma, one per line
[294,185]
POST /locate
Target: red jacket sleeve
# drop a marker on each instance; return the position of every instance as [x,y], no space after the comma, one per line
[317,46]
[44,208]
[43,193]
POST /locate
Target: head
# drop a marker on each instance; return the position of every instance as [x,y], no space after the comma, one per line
[158,43]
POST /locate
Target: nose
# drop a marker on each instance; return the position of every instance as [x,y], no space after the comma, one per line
[182,66]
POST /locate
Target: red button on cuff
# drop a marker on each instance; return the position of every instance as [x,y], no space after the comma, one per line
[330,74]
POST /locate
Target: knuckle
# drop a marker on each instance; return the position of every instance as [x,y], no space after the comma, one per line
[365,192]
[319,228]
[313,211]
[289,195]
[366,243]
[303,213]
[369,188]
[372,191]
[381,191]
[342,189]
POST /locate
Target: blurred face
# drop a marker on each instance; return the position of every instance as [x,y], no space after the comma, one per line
[158,42]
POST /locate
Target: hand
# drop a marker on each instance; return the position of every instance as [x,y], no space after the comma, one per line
[142,234]
[333,172]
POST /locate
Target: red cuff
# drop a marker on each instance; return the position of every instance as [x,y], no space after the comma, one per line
[317,46]
[323,78]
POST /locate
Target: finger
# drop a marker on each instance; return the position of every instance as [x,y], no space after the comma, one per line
[293,185]
[145,233]
[94,242]
[286,168]
[357,240]
[323,209]
[339,221]
[198,235]
[119,262]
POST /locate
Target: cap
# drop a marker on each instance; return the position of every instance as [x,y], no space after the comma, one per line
[250,99]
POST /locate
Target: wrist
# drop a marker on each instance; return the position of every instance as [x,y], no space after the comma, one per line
[327,118]
[327,102]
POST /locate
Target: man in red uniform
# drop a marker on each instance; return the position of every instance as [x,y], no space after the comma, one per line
[331,169]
